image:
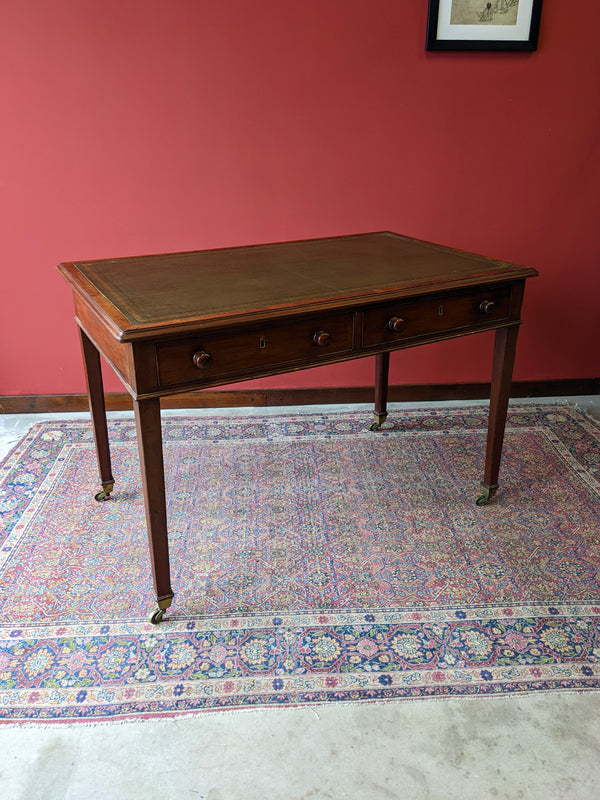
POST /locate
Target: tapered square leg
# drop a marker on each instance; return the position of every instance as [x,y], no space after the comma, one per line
[95,390]
[382,369]
[505,345]
[149,436]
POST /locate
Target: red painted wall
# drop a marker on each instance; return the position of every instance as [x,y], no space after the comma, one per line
[141,126]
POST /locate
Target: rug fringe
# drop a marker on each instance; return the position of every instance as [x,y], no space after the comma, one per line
[171,717]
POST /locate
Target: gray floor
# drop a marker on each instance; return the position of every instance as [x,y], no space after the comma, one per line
[536,746]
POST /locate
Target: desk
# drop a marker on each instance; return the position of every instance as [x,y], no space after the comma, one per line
[182,321]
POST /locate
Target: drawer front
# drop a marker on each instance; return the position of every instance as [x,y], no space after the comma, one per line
[435,315]
[211,357]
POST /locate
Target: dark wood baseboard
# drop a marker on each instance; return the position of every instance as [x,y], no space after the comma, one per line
[50,403]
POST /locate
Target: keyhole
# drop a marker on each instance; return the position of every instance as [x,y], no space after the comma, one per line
[440,310]
[262,342]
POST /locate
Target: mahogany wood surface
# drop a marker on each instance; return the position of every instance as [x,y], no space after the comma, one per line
[147,418]
[176,292]
[175,323]
[505,345]
[93,373]
[382,370]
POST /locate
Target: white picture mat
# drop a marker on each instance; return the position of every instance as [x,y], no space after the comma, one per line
[518,32]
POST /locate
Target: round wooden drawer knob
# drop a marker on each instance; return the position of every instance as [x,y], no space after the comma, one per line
[202,359]
[487,306]
[395,324]
[322,338]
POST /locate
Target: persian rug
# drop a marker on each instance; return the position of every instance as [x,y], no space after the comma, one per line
[313,561]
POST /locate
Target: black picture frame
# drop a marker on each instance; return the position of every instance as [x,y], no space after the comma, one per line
[481,36]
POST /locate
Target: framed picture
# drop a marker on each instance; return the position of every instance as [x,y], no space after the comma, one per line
[483,24]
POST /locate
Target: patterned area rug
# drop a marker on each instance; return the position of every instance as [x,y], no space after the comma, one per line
[312,561]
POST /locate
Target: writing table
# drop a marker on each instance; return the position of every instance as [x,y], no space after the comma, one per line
[183,321]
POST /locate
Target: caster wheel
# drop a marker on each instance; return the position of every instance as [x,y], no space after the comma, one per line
[101,496]
[375,426]
[157,616]
[482,500]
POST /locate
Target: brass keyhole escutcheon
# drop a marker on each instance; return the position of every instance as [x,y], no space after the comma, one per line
[262,342]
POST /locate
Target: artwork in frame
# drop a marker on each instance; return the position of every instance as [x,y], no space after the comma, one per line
[483,24]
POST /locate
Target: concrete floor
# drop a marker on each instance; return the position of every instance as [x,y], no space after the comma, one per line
[533,746]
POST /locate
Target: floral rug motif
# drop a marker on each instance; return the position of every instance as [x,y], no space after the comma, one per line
[312,561]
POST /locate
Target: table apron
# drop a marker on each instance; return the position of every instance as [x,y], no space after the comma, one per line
[167,365]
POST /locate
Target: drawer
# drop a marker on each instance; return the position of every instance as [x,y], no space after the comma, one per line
[434,315]
[212,357]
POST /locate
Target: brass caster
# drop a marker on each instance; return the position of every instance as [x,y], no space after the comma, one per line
[379,420]
[162,604]
[105,493]
[487,494]
[157,615]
